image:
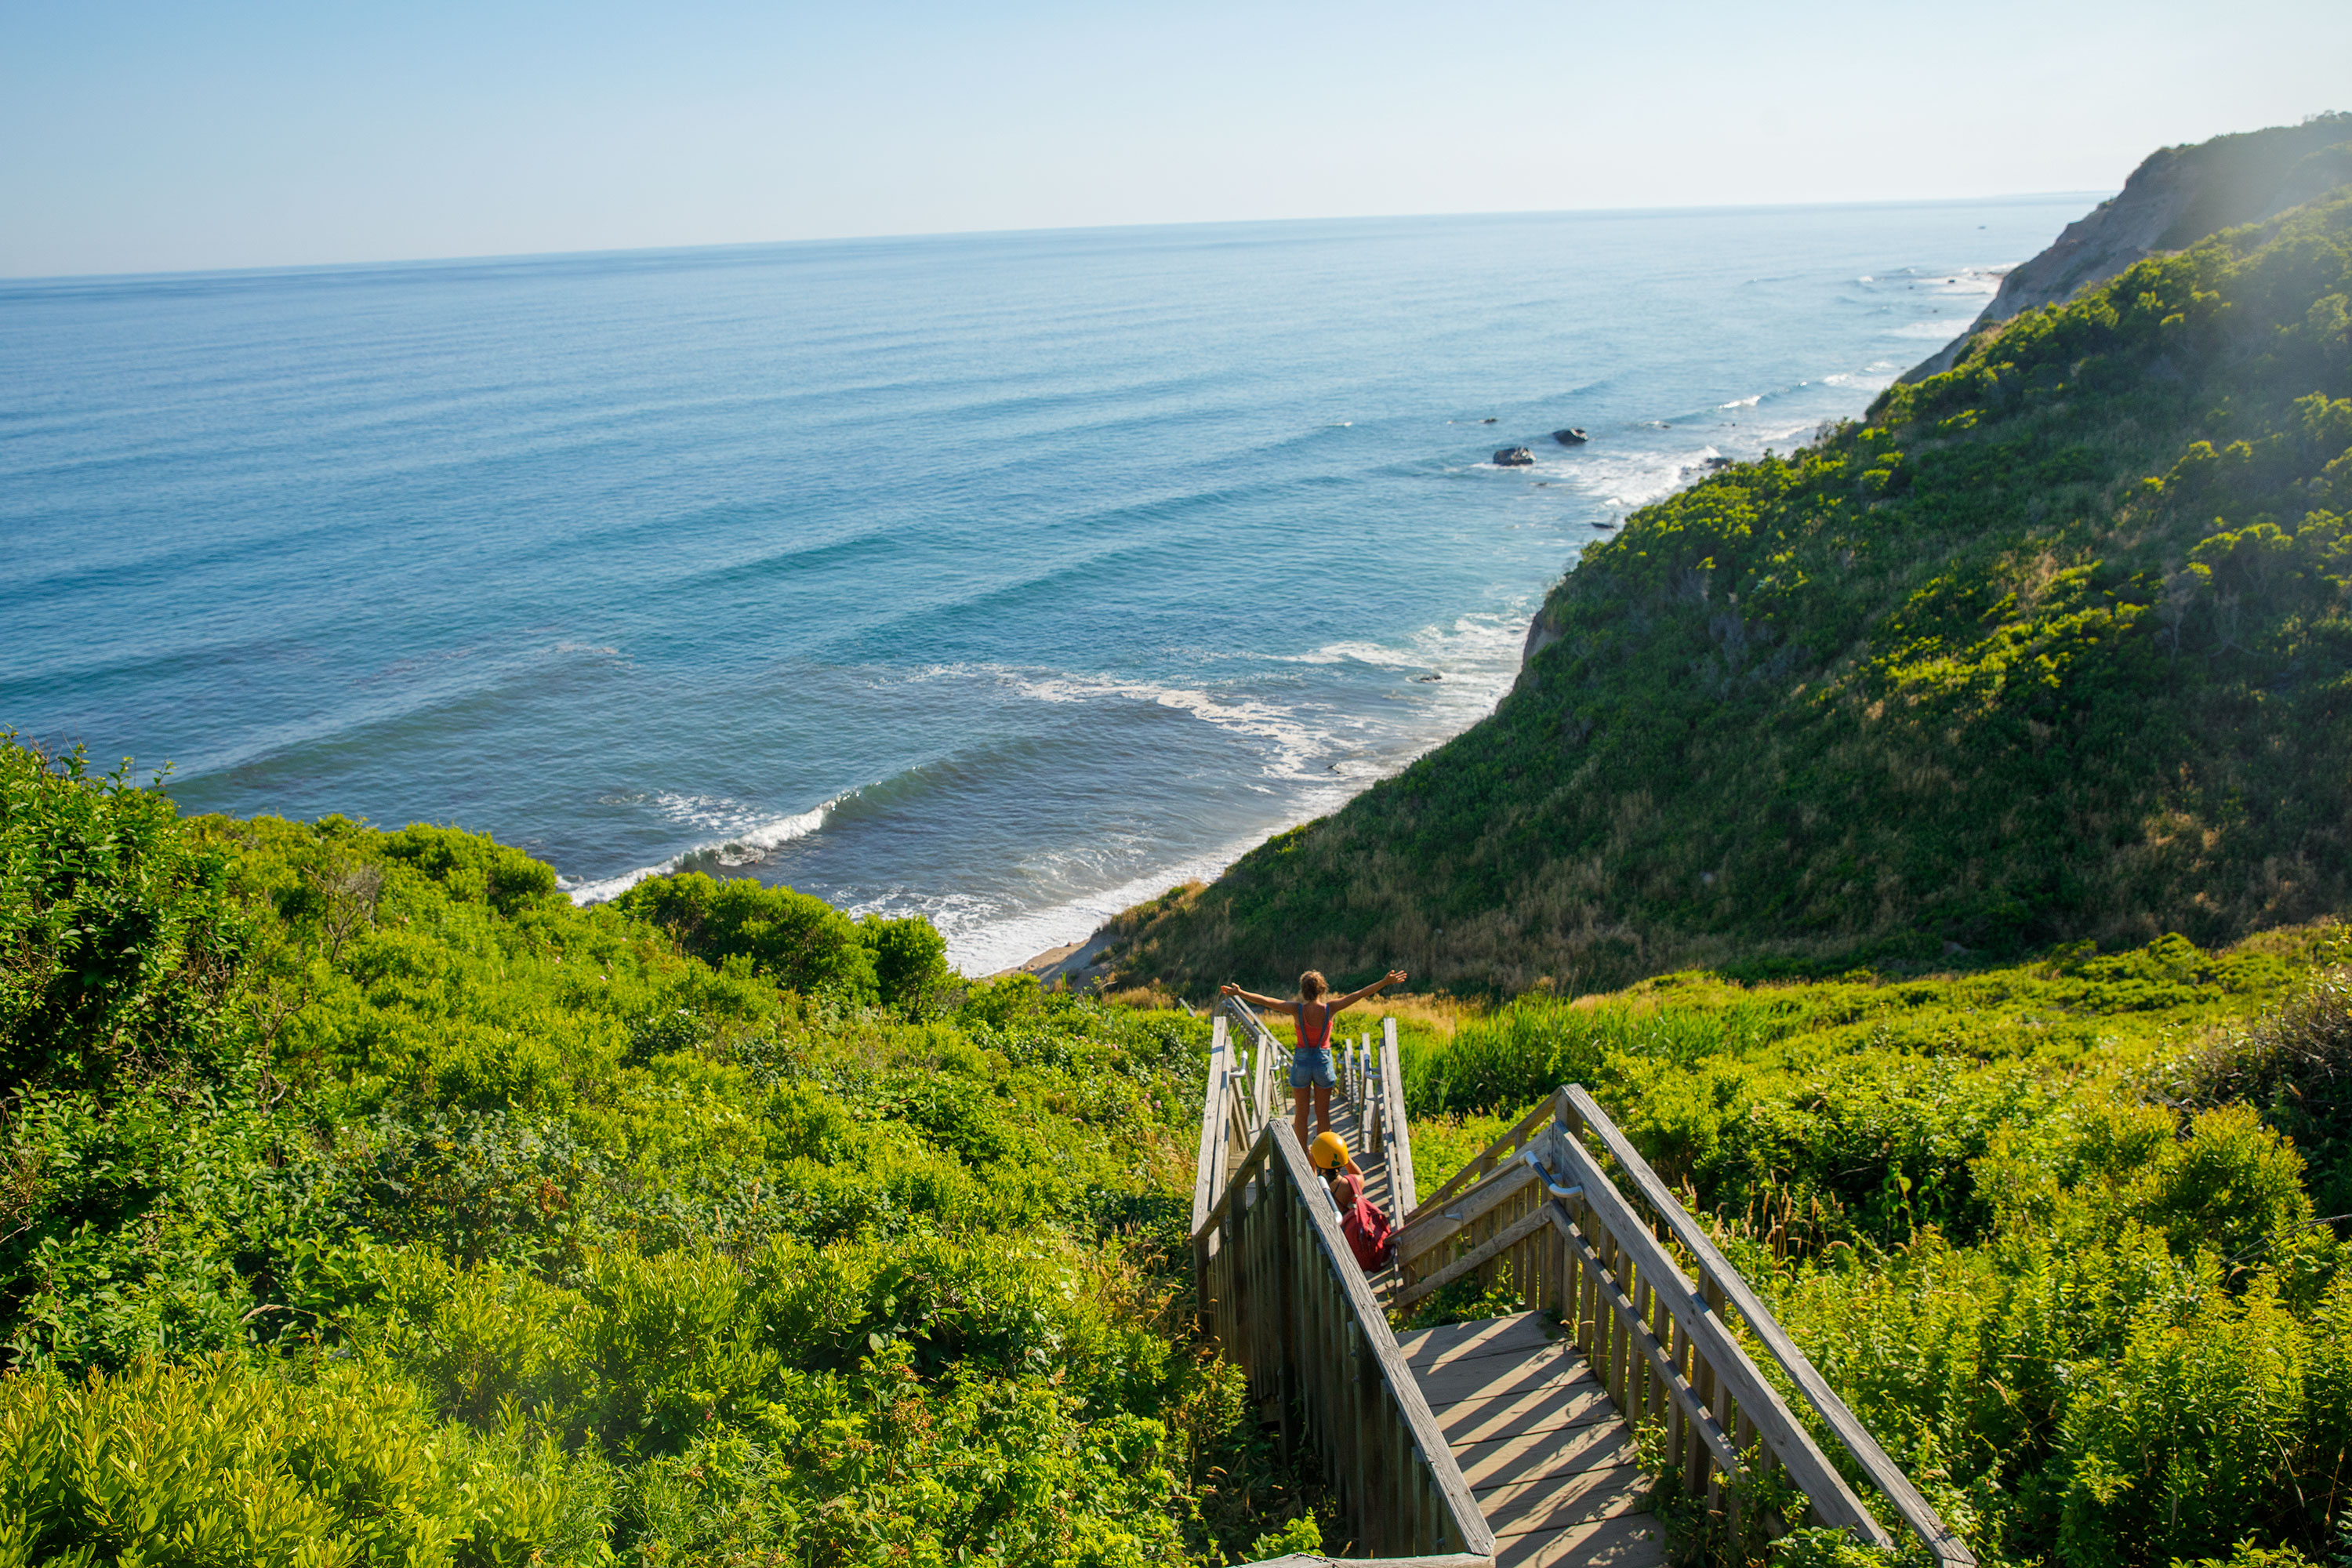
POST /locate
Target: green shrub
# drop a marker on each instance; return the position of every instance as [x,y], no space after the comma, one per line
[798,941]
[118,949]
[473,866]
[2295,1065]
[910,961]
[218,1462]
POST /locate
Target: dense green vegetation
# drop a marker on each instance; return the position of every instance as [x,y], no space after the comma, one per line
[362,1200]
[2055,647]
[2039,1225]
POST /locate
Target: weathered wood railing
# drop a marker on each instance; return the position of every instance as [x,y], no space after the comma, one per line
[1280,1293]
[1540,1204]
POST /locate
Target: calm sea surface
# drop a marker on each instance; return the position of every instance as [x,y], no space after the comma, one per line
[1007,578]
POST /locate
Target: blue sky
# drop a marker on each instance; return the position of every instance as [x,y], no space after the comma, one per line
[145,137]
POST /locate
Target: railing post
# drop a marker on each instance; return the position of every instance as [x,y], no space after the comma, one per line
[1399,1134]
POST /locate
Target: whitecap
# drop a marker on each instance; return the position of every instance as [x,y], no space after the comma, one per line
[750,846]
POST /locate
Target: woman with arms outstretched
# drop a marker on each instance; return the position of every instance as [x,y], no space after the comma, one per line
[1310,1063]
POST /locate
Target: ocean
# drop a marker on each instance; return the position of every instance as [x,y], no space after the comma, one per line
[1007,578]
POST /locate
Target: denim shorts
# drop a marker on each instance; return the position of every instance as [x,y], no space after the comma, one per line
[1311,1069]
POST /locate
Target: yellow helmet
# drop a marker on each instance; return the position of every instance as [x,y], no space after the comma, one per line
[1329,1152]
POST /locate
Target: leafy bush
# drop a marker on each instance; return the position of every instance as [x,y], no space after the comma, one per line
[2296,1064]
[798,941]
[587,1246]
[223,1462]
[117,947]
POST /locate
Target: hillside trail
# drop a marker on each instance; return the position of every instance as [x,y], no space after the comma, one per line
[1509,1441]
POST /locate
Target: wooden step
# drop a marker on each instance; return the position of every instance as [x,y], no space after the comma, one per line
[1630,1541]
[1549,1458]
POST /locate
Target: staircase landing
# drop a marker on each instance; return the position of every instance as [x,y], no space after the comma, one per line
[1546,1454]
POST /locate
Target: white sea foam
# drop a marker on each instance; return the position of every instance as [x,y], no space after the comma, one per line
[1625,481]
[1875,376]
[751,839]
[1943,329]
[1295,741]
[1318,754]
[1980,280]
[984,939]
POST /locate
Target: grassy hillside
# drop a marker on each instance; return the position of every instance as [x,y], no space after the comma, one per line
[361,1200]
[2054,648]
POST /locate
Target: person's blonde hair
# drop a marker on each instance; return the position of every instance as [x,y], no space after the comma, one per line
[1312,984]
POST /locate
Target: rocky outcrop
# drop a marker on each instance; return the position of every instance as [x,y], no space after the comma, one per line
[1541,635]
[1515,457]
[2176,198]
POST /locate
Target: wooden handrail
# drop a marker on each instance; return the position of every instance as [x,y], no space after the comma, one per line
[1399,1131]
[1539,1204]
[1280,1292]
[1265,1050]
[1492,1156]
[1758,1402]
[1717,1269]
[1208,1171]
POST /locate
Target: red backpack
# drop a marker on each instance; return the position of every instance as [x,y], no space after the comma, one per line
[1369,1235]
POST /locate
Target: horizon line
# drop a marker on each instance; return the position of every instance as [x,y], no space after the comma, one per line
[492,257]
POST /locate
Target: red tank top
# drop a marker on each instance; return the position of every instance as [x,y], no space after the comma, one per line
[1315,1036]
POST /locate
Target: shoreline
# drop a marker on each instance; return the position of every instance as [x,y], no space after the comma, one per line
[1072,962]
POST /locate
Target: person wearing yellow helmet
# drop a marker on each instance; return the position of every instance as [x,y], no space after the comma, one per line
[1310,1062]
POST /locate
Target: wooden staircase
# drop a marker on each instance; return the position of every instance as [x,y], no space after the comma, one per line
[1504,1442]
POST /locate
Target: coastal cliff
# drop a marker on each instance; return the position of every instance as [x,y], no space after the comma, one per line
[2175,198]
[2055,647]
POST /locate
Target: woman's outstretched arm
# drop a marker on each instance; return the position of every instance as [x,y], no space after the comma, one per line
[1273,1004]
[1393,977]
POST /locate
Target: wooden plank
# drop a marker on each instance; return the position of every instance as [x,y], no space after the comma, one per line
[1251,1164]
[1468,1527]
[1510,1142]
[1527,1225]
[1883,1473]
[1635,1540]
[1494,1152]
[1486,1377]
[1577,1401]
[1807,1466]
[1397,1134]
[1440,1222]
[1605,1290]
[1554,1502]
[1560,1451]
[1210,1167]
[1522,1333]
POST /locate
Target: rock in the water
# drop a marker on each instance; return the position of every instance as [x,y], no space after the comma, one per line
[1571,436]
[1515,457]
